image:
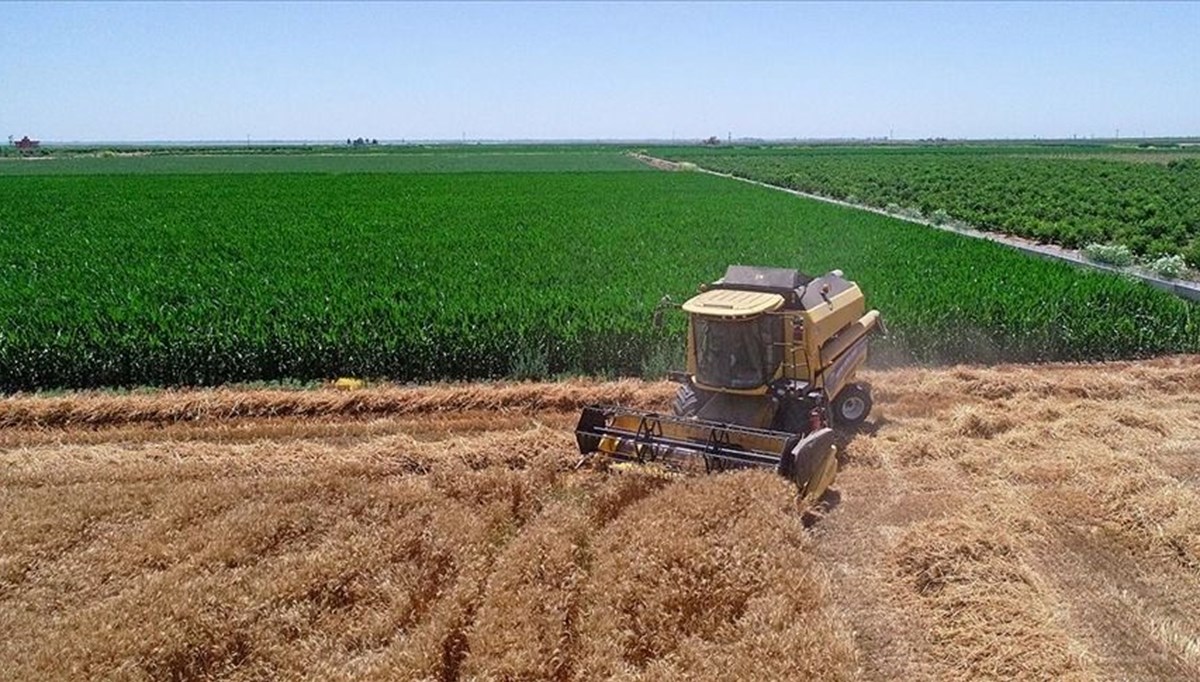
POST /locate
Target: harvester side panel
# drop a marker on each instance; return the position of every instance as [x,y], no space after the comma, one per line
[839,373]
[845,354]
[824,321]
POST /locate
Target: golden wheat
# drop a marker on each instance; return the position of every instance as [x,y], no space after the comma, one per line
[1013,522]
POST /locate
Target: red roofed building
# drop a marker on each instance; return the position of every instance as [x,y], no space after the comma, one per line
[26,144]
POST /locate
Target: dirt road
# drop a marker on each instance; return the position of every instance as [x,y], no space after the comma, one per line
[1035,522]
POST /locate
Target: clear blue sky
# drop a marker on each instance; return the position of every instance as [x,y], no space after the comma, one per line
[213,71]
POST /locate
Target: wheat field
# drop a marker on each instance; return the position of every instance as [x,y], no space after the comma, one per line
[1014,522]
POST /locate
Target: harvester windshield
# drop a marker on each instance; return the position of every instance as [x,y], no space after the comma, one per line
[739,354]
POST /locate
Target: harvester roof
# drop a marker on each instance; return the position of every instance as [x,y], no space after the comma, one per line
[796,290]
[733,303]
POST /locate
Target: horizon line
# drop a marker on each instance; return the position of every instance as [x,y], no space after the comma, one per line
[251,142]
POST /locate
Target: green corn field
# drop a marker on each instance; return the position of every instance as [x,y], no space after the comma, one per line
[199,279]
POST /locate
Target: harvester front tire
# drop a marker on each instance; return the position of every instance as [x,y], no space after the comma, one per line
[852,405]
[687,402]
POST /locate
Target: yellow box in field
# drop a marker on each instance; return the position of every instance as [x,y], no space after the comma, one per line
[348,383]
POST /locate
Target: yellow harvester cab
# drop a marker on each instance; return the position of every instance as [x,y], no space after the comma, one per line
[767,346]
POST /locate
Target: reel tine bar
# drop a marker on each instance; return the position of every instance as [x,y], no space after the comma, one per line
[634,435]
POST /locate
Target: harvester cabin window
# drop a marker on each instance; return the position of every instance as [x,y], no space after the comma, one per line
[737,354]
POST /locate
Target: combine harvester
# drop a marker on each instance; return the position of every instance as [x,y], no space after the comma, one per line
[771,360]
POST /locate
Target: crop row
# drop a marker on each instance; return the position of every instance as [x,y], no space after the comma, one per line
[203,279]
[1073,199]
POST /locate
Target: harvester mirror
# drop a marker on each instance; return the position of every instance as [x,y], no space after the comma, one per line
[663,303]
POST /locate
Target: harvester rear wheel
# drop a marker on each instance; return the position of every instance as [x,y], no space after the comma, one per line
[687,402]
[852,405]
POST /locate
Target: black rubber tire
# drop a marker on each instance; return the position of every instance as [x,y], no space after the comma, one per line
[852,405]
[687,401]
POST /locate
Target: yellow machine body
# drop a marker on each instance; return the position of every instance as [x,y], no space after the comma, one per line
[772,355]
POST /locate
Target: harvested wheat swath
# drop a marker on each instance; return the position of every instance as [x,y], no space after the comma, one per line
[103,409]
[917,390]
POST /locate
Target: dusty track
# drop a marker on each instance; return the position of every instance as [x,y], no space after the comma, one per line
[1036,522]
